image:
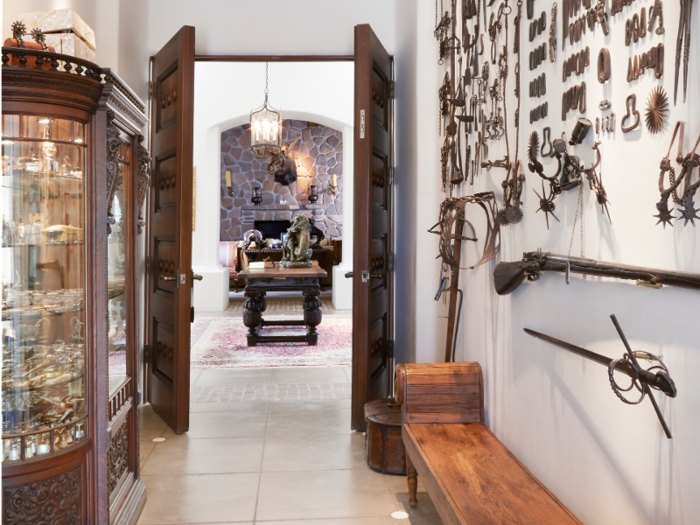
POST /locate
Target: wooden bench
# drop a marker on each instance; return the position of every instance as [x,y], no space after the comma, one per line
[470,476]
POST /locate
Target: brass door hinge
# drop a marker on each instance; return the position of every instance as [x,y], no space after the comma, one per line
[150,89]
[391,176]
[392,89]
[148,265]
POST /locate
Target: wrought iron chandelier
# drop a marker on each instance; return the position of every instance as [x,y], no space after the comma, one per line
[265,128]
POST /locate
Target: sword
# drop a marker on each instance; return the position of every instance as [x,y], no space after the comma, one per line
[644,379]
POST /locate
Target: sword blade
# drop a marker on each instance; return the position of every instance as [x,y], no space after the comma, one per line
[601,359]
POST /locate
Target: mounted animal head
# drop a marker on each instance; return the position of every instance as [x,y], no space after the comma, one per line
[282,166]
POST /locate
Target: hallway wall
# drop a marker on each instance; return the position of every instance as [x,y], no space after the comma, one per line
[608,462]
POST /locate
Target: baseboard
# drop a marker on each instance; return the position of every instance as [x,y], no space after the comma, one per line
[130,511]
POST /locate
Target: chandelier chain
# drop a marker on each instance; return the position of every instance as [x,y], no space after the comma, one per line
[266,90]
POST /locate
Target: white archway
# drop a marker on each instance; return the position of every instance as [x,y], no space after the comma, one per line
[309,102]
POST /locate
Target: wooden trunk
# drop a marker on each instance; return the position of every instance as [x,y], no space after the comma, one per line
[383,442]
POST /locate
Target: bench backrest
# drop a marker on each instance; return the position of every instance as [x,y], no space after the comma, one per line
[440,392]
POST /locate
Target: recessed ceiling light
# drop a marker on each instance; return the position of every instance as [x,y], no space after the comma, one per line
[399,515]
[158,440]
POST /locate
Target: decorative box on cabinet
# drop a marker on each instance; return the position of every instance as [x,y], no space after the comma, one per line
[74,179]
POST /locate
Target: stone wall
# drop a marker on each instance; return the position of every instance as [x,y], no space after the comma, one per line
[318,155]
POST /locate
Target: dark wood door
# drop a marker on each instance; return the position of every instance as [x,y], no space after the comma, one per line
[170,232]
[372,265]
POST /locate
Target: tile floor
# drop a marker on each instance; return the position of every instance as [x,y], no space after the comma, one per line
[268,459]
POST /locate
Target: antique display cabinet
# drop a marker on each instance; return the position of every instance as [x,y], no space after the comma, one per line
[74,177]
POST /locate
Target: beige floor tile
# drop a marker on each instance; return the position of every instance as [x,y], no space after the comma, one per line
[194,374]
[424,512]
[145,450]
[205,456]
[224,377]
[150,424]
[329,494]
[307,419]
[314,452]
[222,425]
[199,499]
[307,374]
[233,406]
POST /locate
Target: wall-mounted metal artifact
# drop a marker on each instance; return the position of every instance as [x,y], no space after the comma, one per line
[580,131]
[601,16]
[683,41]
[656,110]
[688,163]
[631,110]
[655,377]
[604,67]
[507,276]
[553,34]
[296,252]
[656,13]
[604,104]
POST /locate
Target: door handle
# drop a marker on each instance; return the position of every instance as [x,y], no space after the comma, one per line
[196,277]
[349,275]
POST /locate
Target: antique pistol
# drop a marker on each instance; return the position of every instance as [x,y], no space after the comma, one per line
[507,276]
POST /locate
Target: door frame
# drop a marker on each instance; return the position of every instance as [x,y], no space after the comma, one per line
[279,58]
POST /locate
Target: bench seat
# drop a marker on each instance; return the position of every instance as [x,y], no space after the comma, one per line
[470,476]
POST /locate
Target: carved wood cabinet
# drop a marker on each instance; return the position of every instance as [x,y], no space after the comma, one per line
[74,178]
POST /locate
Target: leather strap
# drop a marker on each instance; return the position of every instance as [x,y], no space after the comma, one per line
[604,65]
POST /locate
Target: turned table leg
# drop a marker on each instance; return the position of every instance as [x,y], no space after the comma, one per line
[312,313]
[252,314]
[412,483]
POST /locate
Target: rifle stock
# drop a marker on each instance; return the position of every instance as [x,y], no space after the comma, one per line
[509,275]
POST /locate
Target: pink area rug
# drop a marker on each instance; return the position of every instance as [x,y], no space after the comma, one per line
[221,343]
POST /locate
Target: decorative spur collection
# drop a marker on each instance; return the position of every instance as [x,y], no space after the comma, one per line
[569,173]
[688,164]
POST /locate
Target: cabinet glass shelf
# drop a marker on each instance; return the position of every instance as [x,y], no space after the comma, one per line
[44,409]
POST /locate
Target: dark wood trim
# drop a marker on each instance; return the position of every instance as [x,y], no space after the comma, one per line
[274,58]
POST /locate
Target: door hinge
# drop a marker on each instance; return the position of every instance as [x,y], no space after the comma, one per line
[392,89]
[148,265]
[362,123]
[390,349]
[150,89]
[391,176]
[146,353]
[391,262]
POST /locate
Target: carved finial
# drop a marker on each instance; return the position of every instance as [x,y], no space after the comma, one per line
[40,38]
[18,32]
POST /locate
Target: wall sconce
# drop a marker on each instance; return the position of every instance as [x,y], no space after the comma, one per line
[256,199]
[313,193]
[333,187]
[229,184]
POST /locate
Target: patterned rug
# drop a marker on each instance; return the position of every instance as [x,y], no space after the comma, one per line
[220,342]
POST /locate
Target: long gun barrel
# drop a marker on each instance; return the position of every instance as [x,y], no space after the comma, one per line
[509,275]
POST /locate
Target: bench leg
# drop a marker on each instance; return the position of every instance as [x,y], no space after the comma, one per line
[412,483]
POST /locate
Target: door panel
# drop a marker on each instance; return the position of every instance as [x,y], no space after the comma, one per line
[372,299]
[170,242]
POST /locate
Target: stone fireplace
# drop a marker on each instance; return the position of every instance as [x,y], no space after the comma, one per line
[318,155]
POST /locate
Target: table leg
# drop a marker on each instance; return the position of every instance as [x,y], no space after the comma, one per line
[252,314]
[312,313]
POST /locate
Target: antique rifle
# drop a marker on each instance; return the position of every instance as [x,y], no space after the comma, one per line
[655,377]
[507,276]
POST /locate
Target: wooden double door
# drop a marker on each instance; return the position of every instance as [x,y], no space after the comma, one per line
[169,273]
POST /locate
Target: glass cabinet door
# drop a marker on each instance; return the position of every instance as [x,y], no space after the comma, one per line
[117,270]
[44,407]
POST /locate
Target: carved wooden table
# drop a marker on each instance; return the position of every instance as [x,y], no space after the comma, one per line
[261,281]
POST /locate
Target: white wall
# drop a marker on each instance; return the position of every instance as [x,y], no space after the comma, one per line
[608,462]
[225,92]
